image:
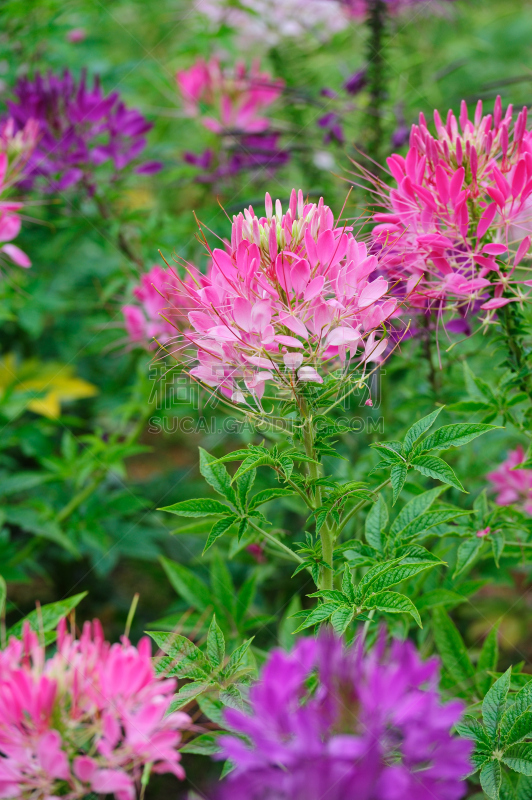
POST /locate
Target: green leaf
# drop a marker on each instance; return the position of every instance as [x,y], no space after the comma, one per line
[243,486]
[398,477]
[376,522]
[47,617]
[236,658]
[347,585]
[213,709]
[470,406]
[439,597]
[418,429]
[397,575]
[245,597]
[494,703]
[218,529]
[490,779]
[215,644]
[222,588]
[519,758]
[371,576]
[471,728]
[451,647]
[434,467]
[455,435]
[467,552]
[317,615]
[251,463]
[393,603]
[341,618]
[216,475]
[414,508]
[522,702]
[487,660]
[523,790]
[188,693]
[204,745]
[3,596]
[268,494]
[200,507]
[497,545]
[521,729]
[187,585]
[429,520]
[183,659]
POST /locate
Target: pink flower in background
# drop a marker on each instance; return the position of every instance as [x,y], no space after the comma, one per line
[292,299]
[87,720]
[454,230]
[238,96]
[146,321]
[76,35]
[513,486]
[16,148]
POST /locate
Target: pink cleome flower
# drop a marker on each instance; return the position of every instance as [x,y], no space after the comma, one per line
[146,321]
[15,150]
[461,205]
[513,486]
[291,299]
[237,97]
[87,720]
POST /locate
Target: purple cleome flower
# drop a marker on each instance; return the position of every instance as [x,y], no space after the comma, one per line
[79,129]
[332,723]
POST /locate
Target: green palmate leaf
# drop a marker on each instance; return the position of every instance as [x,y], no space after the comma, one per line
[429,520]
[341,618]
[204,745]
[243,486]
[393,603]
[397,478]
[467,553]
[519,758]
[376,522]
[494,703]
[47,617]
[216,475]
[268,494]
[218,529]
[317,615]
[451,647]
[439,597]
[471,728]
[414,508]
[433,467]
[187,585]
[453,436]
[497,545]
[418,429]
[200,507]
[237,656]
[372,575]
[487,661]
[183,659]
[215,644]
[521,729]
[398,574]
[490,779]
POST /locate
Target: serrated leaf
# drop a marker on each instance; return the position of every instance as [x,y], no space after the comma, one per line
[187,585]
[397,575]
[519,758]
[237,656]
[430,520]
[487,660]
[414,508]
[216,476]
[372,574]
[213,709]
[269,494]
[439,597]
[46,618]
[218,529]
[188,693]
[521,729]
[467,552]
[418,429]
[376,522]
[522,702]
[455,435]
[434,467]
[347,585]
[183,659]
[494,703]
[215,644]
[244,485]
[200,507]
[393,603]
[490,779]
[251,463]
[471,728]
[317,615]
[451,647]
[341,618]
[204,745]
[397,478]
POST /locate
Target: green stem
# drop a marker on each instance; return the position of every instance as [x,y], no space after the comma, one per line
[376,76]
[276,542]
[79,498]
[359,506]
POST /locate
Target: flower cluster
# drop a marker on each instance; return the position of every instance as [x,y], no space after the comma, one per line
[267,22]
[366,727]
[87,720]
[146,321]
[292,296]
[455,228]
[16,148]
[236,100]
[513,485]
[79,128]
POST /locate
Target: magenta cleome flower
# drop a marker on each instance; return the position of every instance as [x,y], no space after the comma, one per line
[456,227]
[146,321]
[365,727]
[79,129]
[513,486]
[87,720]
[15,151]
[290,300]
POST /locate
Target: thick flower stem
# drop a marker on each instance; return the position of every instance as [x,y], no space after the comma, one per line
[376,77]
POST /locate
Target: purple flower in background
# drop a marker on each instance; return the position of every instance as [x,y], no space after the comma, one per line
[79,129]
[356,82]
[331,122]
[332,723]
